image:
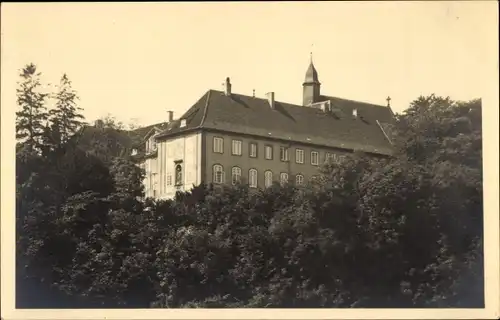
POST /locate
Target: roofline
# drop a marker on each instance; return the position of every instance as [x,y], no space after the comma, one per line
[383,131]
[197,129]
[146,136]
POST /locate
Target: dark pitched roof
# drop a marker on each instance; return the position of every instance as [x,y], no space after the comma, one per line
[251,115]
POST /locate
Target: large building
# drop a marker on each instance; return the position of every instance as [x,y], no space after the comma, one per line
[227,137]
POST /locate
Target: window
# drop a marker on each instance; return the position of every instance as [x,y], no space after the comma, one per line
[283,153]
[253,150]
[341,159]
[236,175]
[218,145]
[252,178]
[299,180]
[283,178]
[330,157]
[268,178]
[269,152]
[218,174]
[169,179]
[314,158]
[236,148]
[299,156]
[178,175]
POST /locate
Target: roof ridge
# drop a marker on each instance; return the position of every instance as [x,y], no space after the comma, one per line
[357,101]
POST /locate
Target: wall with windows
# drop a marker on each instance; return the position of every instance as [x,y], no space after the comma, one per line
[235,154]
[179,164]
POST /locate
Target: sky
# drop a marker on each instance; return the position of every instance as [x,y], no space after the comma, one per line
[136,61]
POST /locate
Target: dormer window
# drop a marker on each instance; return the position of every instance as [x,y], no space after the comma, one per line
[183,123]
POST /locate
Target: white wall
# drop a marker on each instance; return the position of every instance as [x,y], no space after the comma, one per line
[150,179]
[186,149]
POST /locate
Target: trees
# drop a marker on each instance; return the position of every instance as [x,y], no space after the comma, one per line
[31,119]
[66,115]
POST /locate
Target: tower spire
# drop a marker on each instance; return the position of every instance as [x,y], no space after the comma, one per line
[311,85]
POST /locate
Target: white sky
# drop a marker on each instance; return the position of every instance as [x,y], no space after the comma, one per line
[137,60]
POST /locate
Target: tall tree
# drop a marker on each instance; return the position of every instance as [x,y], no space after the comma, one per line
[66,117]
[31,119]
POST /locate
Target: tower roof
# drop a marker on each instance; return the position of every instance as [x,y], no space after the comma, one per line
[311,74]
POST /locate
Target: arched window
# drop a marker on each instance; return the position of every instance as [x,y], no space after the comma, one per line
[178,174]
[283,178]
[268,178]
[252,178]
[236,175]
[299,180]
[218,174]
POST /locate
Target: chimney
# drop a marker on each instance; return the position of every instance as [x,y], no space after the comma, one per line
[227,87]
[270,99]
[354,113]
[99,124]
[170,116]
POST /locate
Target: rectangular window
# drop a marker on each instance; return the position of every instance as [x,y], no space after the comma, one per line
[341,159]
[299,156]
[269,152]
[330,157]
[169,179]
[314,158]
[236,148]
[218,145]
[253,150]
[283,153]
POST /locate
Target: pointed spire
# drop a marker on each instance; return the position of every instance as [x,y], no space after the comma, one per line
[311,74]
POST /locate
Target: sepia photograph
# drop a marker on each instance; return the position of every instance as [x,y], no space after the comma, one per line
[256,159]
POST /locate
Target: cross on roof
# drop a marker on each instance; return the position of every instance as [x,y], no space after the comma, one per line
[388,101]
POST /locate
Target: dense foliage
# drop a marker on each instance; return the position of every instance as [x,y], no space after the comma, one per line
[398,232]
